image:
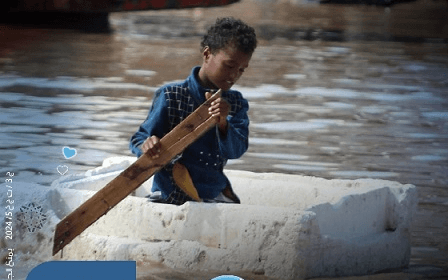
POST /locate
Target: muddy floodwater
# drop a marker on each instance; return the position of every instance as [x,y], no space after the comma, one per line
[335,91]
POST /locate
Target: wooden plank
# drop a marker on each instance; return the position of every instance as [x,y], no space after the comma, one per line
[172,144]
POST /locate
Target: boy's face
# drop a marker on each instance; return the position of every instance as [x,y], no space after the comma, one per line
[224,68]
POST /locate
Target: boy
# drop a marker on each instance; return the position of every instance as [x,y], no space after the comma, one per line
[226,51]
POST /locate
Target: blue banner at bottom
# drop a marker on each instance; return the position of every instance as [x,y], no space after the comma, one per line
[85,270]
[92,270]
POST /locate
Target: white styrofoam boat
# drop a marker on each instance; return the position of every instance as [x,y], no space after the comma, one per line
[286,227]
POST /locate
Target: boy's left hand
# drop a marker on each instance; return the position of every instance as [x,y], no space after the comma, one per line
[219,108]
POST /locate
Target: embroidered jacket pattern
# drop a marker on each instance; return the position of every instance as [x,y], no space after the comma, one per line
[206,158]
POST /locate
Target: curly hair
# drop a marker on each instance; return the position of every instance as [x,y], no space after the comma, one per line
[227,31]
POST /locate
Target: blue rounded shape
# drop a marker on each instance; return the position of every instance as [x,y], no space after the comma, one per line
[84,270]
[227,277]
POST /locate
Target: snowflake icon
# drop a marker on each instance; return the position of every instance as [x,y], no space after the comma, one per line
[32,216]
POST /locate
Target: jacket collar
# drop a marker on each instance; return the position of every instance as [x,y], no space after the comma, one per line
[196,90]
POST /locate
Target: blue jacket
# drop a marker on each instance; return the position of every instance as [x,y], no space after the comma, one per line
[205,158]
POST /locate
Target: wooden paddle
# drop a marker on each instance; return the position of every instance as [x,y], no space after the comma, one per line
[172,144]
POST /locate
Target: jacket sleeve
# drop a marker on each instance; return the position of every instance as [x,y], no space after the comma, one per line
[155,124]
[236,142]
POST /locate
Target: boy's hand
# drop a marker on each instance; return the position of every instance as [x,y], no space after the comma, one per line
[152,144]
[219,108]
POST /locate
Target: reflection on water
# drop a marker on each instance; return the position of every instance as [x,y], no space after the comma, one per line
[346,108]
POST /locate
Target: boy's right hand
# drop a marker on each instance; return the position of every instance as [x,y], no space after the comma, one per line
[152,146]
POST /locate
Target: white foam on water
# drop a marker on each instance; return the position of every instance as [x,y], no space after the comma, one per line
[326,92]
[268,91]
[290,126]
[295,76]
[339,105]
[374,110]
[330,150]
[428,158]
[328,121]
[278,156]
[415,67]
[273,141]
[339,50]
[363,174]
[312,124]
[402,114]
[302,165]
[71,83]
[436,115]
[347,81]
[425,135]
[381,86]
[298,167]
[140,73]
[283,107]
[262,91]
[390,97]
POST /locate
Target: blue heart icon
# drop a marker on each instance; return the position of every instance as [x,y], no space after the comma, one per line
[68,152]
